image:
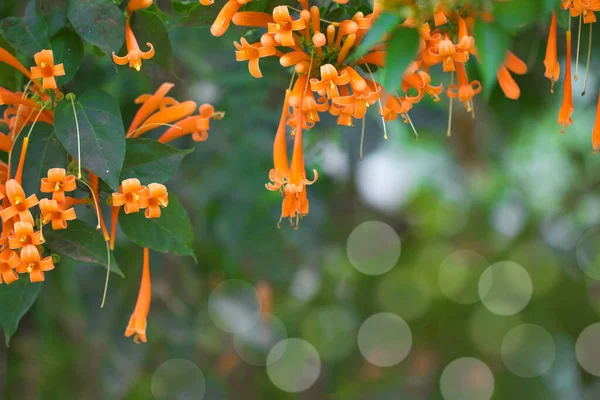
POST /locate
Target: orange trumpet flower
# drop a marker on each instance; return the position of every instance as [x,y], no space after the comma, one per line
[58,183]
[284,26]
[281,167]
[24,235]
[330,80]
[19,204]
[133,196]
[33,264]
[197,125]
[221,23]
[253,53]
[46,69]
[465,91]
[137,322]
[11,60]
[151,103]
[165,116]
[596,130]
[9,260]
[507,83]
[134,5]
[551,60]
[158,197]
[566,108]
[134,54]
[56,213]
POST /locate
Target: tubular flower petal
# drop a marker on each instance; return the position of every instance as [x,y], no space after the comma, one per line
[281,167]
[566,108]
[465,91]
[7,58]
[134,54]
[252,53]
[284,26]
[24,235]
[252,18]
[221,23]
[46,69]
[158,197]
[137,321]
[132,195]
[19,204]
[165,116]
[596,131]
[551,60]
[196,125]
[53,212]
[330,80]
[33,264]
[506,81]
[9,260]
[58,183]
[151,103]
[134,5]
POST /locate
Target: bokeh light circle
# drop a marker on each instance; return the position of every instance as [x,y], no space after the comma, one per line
[487,330]
[458,276]
[384,339]
[233,306]
[467,378]
[505,288]
[587,349]
[253,345]
[588,253]
[400,292]
[528,350]
[332,330]
[373,248]
[178,379]
[293,365]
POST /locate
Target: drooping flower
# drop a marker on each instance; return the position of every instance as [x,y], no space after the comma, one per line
[9,260]
[24,235]
[57,183]
[151,103]
[507,83]
[137,321]
[196,125]
[33,264]
[223,20]
[281,167]
[19,204]
[330,80]
[551,60]
[56,213]
[465,91]
[134,53]
[46,69]
[133,196]
[165,116]
[284,26]
[596,130]
[566,108]
[253,53]
[158,198]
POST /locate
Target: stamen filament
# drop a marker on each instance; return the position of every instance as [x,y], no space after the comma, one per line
[576,77]
[449,133]
[362,138]
[587,66]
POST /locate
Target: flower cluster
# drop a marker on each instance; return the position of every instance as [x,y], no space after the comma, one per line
[328,78]
[135,197]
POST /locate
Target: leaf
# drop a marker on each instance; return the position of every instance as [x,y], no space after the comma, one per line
[495,40]
[151,161]
[517,14]
[171,233]
[201,15]
[383,24]
[401,51]
[15,300]
[43,152]
[81,242]
[55,12]
[10,77]
[148,27]
[101,131]
[27,35]
[99,22]
[184,6]
[68,49]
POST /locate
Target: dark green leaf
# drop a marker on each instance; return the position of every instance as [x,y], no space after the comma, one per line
[68,49]
[99,22]
[81,242]
[495,40]
[517,14]
[201,15]
[55,12]
[15,300]
[149,28]
[101,132]
[27,35]
[401,51]
[184,6]
[171,233]
[43,152]
[151,161]
[10,77]
[383,25]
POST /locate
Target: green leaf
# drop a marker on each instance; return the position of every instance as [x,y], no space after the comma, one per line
[151,161]
[99,22]
[148,27]
[517,14]
[68,49]
[43,152]
[10,77]
[171,233]
[184,6]
[101,132]
[27,35]
[383,24]
[15,300]
[201,15]
[402,50]
[81,242]
[55,12]
[495,40]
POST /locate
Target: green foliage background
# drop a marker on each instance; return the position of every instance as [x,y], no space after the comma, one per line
[459,188]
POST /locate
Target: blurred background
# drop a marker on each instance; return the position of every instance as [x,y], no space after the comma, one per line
[462,267]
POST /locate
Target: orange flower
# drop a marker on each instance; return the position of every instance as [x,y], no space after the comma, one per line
[46,69]
[33,264]
[165,116]
[283,28]
[507,83]
[19,204]
[24,235]
[134,5]
[134,54]
[281,167]
[58,183]
[252,18]
[197,125]
[566,108]
[330,80]
[252,53]
[133,195]
[439,16]
[151,103]
[221,23]
[551,60]
[9,260]
[596,130]
[137,321]
[59,215]
[465,90]
[158,197]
